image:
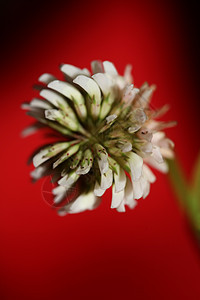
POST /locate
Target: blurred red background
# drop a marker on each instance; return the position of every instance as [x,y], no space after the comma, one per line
[147,253]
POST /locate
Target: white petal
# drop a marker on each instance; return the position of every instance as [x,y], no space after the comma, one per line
[31,129]
[167,153]
[105,84]
[156,154]
[71,93]
[83,202]
[129,194]
[58,198]
[121,207]
[39,103]
[60,194]
[90,86]
[148,174]
[127,74]
[106,179]
[125,147]
[53,97]
[59,190]
[145,186]
[73,71]
[135,163]
[86,163]
[110,118]
[98,191]
[103,165]
[110,68]
[117,198]
[96,66]
[120,180]
[157,136]
[83,171]
[68,180]
[67,90]
[66,155]
[130,93]
[137,188]
[46,78]
[39,158]
[102,158]
[38,172]
[162,167]
[42,156]
[52,114]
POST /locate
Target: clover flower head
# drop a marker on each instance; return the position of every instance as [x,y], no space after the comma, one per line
[109,136]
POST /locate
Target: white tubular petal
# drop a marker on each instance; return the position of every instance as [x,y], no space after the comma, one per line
[121,207]
[83,171]
[73,71]
[157,136]
[49,152]
[86,72]
[62,118]
[68,180]
[110,118]
[102,158]
[73,94]
[103,165]
[40,103]
[162,167]
[52,114]
[54,98]
[86,163]
[90,86]
[129,194]
[156,154]
[60,194]
[58,198]
[106,179]
[135,163]
[110,68]
[120,180]
[67,90]
[83,202]
[167,153]
[127,74]
[130,93]
[59,190]
[25,106]
[125,147]
[39,158]
[138,189]
[31,129]
[146,187]
[98,191]
[92,89]
[105,84]
[70,151]
[132,204]
[46,78]
[117,198]
[148,174]
[38,172]
[96,66]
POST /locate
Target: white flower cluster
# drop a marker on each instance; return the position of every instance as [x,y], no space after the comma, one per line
[109,134]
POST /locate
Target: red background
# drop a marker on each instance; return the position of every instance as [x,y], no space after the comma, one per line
[147,253]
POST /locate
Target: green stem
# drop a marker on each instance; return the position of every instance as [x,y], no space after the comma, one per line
[188,195]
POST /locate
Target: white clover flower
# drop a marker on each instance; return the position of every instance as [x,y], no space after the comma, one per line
[109,136]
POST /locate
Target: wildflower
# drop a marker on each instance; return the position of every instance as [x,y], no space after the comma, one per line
[109,136]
